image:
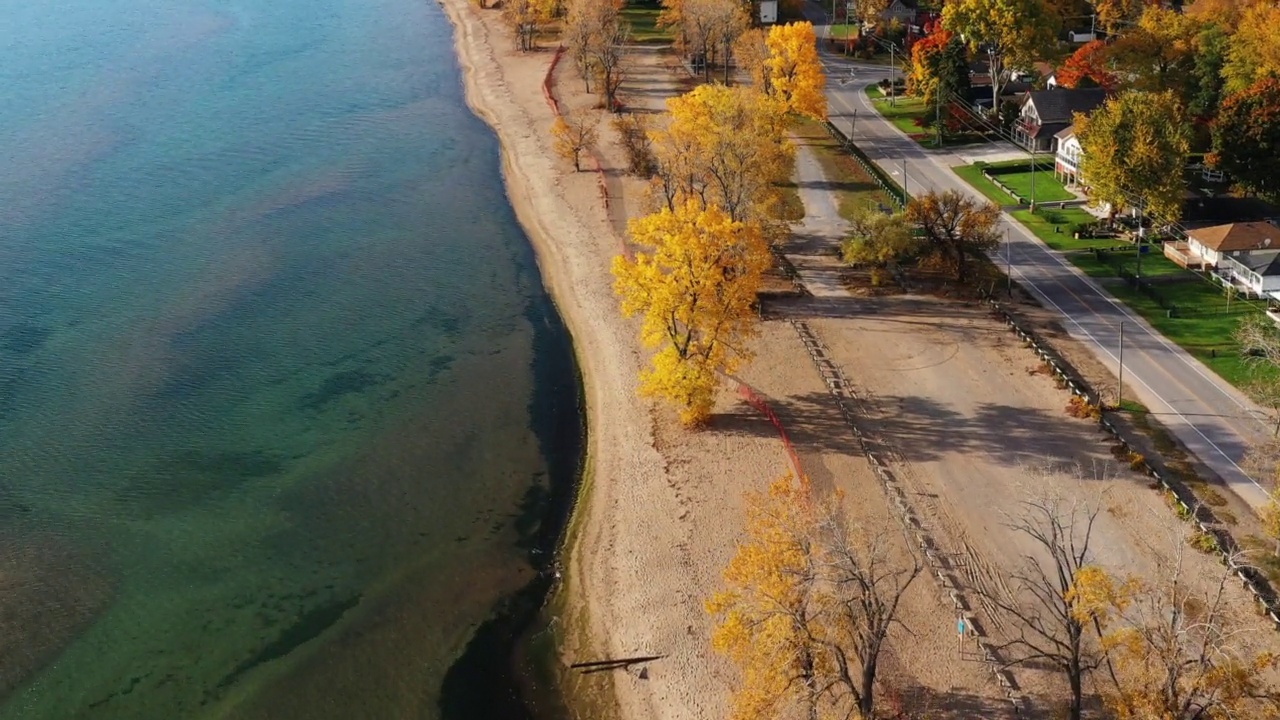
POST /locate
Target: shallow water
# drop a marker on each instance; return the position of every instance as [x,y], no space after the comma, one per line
[281,396]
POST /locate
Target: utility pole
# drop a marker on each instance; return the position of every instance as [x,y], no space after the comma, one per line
[853,122]
[938,111]
[1033,176]
[1120,385]
[904,182]
[893,80]
[1008,256]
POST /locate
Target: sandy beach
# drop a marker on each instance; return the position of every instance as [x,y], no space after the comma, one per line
[662,507]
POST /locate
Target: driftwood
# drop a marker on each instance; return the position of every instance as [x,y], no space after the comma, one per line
[618,664]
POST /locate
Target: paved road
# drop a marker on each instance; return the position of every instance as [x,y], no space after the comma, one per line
[816,240]
[1214,420]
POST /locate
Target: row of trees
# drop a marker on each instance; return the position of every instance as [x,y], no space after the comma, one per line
[1206,78]
[714,172]
[812,602]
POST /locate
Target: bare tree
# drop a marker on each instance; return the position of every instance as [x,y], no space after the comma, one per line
[956,225]
[1043,606]
[1260,344]
[596,36]
[574,134]
[1179,653]
[866,583]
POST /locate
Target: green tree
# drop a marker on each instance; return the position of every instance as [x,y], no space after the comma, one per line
[1246,137]
[1212,42]
[1012,33]
[880,240]
[1135,149]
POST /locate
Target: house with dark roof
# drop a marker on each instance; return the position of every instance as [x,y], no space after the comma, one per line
[1045,113]
[904,11]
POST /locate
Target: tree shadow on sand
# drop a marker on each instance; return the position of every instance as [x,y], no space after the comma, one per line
[923,430]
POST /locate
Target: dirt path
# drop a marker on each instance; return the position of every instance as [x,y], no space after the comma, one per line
[815,244]
[968,421]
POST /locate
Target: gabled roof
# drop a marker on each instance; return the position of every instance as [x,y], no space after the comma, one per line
[1234,237]
[1061,104]
[1265,263]
[1070,132]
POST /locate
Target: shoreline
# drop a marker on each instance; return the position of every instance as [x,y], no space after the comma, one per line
[475,55]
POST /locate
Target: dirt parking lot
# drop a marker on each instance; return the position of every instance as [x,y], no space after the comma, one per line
[969,422]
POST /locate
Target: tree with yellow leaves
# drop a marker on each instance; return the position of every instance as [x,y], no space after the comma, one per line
[1011,33]
[1174,653]
[1135,148]
[750,50]
[696,287]
[794,71]
[766,624]
[1159,53]
[574,134]
[1254,52]
[526,16]
[725,147]
[810,603]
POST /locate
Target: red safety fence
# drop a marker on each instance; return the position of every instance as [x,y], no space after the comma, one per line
[763,408]
[549,81]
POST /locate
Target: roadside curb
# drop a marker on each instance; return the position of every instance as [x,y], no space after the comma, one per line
[1191,508]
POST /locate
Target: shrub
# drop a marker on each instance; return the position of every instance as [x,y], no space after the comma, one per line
[1078,407]
[633,130]
[1204,542]
[1136,461]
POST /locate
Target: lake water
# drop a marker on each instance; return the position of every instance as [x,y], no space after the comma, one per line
[282,399]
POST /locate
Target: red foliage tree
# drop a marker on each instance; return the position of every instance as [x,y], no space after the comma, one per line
[1246,137]
[1087,67]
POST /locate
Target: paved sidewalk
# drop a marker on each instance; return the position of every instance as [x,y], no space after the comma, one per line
[816,242]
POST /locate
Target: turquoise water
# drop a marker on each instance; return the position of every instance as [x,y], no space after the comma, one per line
[281,396]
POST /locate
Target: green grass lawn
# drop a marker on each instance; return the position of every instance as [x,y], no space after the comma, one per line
[972,174]
[1202,324]
[643,18]
[1047,187]
[1054,227]
[904,110]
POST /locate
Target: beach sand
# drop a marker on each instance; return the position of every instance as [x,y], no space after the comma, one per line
[664,506]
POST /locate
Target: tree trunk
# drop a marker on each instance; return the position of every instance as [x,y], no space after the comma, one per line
[960,264]
[726,60]
[1077,690]
[867,702]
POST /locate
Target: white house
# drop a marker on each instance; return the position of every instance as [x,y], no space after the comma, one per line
[1232,240]
[1255,273]
[1066,162]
